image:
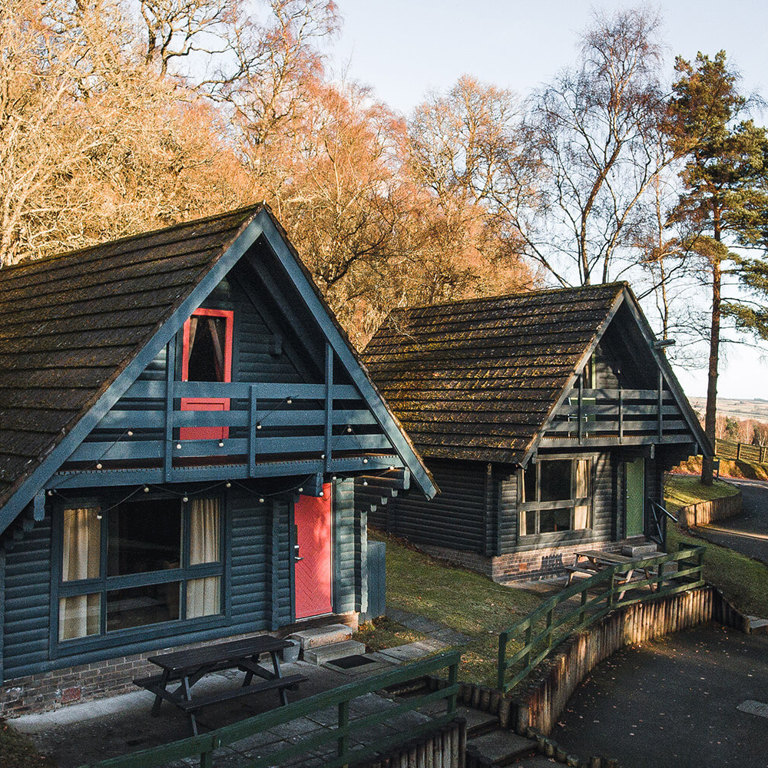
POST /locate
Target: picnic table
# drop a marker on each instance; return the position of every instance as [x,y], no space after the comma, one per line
[186,668]
[592,561]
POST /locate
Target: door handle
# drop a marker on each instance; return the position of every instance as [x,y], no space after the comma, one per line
[296,553]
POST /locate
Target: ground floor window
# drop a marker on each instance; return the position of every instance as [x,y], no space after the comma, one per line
[555,495]
[139,563]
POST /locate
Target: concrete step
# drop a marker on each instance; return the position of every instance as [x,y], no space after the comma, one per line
[478,723]
[758,625]
[319,636]
[322,654]
[497,748]
[639,550]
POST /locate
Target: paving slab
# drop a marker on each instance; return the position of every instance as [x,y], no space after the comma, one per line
[322,654]
[499,747]
[318,636]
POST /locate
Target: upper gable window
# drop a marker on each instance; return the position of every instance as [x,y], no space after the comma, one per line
[208,346]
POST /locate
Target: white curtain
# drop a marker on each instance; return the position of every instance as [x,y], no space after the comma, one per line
[204,595]
[80,615]
[581,511]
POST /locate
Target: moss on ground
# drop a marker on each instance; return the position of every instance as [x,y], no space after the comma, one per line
[17,751]
[682,490]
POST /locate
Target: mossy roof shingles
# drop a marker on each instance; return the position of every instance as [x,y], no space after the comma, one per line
[70,324]
[477,379]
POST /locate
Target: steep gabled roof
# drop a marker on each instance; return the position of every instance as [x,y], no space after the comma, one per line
[73,328]
[479,379]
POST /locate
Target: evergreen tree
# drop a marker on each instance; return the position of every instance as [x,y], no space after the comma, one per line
[724,198]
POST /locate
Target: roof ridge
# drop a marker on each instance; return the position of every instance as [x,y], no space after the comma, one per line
[30,261]
[517,294]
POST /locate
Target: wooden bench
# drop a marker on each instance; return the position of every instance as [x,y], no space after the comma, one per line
[187,667]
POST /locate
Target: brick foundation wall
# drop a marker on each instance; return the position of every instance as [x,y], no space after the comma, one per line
[100,679]
[534,564]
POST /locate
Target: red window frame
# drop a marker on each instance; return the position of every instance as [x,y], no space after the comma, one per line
[207,403]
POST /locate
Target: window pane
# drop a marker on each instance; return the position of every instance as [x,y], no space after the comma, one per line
[529,483]
[203,597]
[139,606]
[553,520]
[207,339]
[79,616]
[555,480]
[530,522]
[144,536]
[204,531]
[81,545]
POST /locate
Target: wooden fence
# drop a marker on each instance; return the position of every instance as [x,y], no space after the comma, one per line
[610,590]
[726,449]
[344,751]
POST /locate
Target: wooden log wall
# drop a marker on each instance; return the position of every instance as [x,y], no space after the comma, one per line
[446,748]
[706,512]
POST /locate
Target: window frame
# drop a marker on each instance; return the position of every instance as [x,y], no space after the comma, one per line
[105,584]
[539,506]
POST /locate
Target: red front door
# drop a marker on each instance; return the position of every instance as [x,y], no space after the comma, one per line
[313,566]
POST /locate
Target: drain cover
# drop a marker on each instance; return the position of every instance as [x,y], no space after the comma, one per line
[350,662]
[754,708]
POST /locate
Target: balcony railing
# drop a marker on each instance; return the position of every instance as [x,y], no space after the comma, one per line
[625,415]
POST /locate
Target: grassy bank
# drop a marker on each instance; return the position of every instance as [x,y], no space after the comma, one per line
[16,751]
[742,580]
[460,599]
[738,470]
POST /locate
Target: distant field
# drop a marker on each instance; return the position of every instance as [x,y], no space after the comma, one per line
[737,409]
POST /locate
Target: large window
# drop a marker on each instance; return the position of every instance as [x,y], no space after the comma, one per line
[555,496]
[139,563]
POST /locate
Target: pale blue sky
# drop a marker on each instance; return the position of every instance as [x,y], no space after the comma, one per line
[403,49]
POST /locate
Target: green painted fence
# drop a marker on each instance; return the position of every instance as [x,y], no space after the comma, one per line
[526,644]
[338,737]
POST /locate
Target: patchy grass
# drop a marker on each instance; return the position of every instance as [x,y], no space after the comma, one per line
[385,633]
[741,579]
[681,490]
[460,599]
[17,751]
[738,470]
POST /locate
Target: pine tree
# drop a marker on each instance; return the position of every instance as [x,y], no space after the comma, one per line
[724,200]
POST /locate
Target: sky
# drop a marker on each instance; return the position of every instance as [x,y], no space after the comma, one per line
[405,48]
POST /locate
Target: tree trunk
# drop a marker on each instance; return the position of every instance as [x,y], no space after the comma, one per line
[710,420]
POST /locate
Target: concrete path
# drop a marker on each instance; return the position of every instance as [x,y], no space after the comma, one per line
[747,533]
[697,698]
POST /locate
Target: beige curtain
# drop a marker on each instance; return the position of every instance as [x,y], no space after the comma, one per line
[204,595]
[581,511]
[80,615]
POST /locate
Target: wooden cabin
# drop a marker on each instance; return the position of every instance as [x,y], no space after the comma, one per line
[546,418]
[181,423]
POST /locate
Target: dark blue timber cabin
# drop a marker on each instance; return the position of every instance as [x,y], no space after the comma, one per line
[547,419]
[181,423]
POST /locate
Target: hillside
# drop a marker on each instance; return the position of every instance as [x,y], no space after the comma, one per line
[737,409]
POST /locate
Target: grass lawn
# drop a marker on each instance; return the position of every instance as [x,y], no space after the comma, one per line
[460,599]
[741,579]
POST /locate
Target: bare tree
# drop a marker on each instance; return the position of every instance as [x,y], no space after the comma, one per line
[592,137]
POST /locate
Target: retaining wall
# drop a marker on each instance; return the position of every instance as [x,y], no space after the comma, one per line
[706,512]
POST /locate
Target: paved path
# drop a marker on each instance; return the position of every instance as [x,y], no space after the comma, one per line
[747,533]
[674,703]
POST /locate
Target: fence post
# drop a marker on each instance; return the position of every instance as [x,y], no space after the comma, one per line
[550,616]
[453,676]
[738,451]
[343,740]
[583,609]
[502,668]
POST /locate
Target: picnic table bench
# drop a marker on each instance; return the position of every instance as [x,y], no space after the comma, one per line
[592,561]
[187,667]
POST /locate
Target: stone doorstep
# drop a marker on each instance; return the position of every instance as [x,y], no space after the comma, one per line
[319,636]
[321,654]
[638,550]
[758,625]
[500,747]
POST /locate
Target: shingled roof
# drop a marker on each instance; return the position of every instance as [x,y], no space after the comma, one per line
[477,379]
[70,324]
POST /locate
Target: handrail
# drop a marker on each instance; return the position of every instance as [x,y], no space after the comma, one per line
[615,592]
[203,746]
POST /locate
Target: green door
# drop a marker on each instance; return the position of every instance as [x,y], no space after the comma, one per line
[635,494]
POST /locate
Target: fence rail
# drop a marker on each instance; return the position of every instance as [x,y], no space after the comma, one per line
[610,589]
[727,449]
[343,752]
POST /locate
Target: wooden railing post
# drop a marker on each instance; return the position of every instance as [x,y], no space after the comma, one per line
[621,414]
[661,403]
[528,635]
[453,676]
[343,740]
[252,424]
[328,405]
[550,617]
[502,661]
[583,609]
[581,416]
[170,378]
